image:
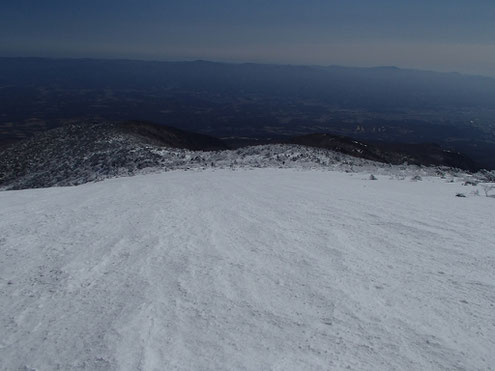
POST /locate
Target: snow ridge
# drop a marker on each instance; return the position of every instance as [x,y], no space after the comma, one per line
[82,153]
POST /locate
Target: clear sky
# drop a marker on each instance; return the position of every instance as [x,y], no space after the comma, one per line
[444,35]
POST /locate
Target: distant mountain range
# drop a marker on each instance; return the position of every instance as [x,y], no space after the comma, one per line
[350,87]
[263,102]
[386,86]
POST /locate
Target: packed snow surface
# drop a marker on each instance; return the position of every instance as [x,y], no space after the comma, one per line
[248,269]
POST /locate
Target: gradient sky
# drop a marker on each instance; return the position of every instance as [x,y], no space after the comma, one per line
[444,35]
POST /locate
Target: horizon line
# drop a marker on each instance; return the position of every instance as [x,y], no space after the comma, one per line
[219,61]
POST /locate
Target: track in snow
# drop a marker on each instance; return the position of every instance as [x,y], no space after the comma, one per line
[261,269]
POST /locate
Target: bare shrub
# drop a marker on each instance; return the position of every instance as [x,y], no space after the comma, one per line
[489,190]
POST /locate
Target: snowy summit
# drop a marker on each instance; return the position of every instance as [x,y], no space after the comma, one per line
[225,269]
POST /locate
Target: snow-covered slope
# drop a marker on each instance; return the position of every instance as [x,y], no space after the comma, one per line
[82,152]
[85,152]
[248,269]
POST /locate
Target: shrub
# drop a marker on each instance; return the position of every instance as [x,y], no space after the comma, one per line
[489,190]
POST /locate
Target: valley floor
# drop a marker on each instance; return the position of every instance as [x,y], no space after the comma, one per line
[248,269]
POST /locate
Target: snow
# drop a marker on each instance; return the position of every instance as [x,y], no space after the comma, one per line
[248,269]
[75,155]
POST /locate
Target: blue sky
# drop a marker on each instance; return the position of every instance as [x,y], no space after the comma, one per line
[440,35]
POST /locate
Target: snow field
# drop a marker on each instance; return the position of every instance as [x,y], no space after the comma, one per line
[248,269]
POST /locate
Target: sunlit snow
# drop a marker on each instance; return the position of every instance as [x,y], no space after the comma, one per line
[248,269]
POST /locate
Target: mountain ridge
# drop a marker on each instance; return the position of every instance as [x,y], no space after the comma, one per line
[84,152]
[254,100]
